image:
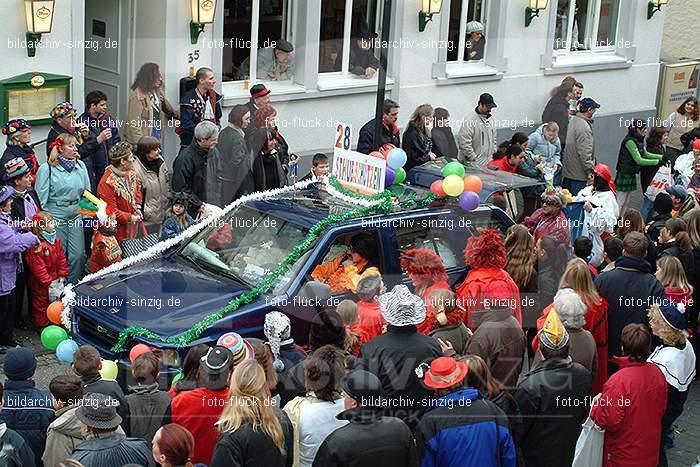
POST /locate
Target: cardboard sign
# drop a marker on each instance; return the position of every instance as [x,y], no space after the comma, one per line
[356,171]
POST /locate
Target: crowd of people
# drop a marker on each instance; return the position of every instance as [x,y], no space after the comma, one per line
[550,323]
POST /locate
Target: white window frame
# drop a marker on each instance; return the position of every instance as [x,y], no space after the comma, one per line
[493,65]
[591,34]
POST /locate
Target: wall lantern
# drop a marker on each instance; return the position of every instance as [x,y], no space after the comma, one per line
[202,14]
[655,6]
[427,10]
[39,15]
[533,9]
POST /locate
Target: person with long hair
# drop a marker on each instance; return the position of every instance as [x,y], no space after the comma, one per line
[508,157]
[521,264]
[266,117]
[314,415]
[669,271]
[557,109]
[681,121]
[444,143]
[173,446]
[551,263]
[427,273]
[60,184]
[234,174]
[416,138]
[148,108]
[253,432]
[190,370]
[631,158]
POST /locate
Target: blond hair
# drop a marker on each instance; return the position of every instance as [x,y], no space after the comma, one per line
[347,309]
[671,273]
[521,255]
[669,335]
[420,116]
[249,402]
[577,276]
[66,138]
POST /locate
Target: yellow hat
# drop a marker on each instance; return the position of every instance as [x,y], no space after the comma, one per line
[553,334]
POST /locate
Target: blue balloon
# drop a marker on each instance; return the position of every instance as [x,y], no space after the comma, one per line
[396,158]
[469,201]
[65,350]
[389,177]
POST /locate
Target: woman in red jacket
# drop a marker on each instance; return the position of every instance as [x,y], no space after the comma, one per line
[632,404]
[487,285]
[509,159]
[47,264]
[425,269]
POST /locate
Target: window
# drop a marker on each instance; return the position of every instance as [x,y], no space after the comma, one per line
[467,47]
[586,25]
[257,25]
[341,22]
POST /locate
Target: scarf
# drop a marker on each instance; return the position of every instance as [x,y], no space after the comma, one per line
[150,165]
[67,164]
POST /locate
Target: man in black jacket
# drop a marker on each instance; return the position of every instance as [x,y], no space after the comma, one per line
[630,290]
[370,438]
[390,132]
[553,400]
[190,166]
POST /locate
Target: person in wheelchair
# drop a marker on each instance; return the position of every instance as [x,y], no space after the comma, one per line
[343,272]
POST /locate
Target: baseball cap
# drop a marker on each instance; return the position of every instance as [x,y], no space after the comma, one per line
[487,99]
[588,103]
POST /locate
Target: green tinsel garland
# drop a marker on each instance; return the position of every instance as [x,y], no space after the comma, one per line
[385,204]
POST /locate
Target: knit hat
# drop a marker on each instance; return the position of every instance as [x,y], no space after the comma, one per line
[119,151]
[663,203]
[6,193]
[553,334]
[15,126]
[20,364]
[179,197]
[99,411]
[217,360]
[15,168]
[402,308]
[673,315]
[445,372]
[238,346]
[277,329]
[326,329]
[64,109]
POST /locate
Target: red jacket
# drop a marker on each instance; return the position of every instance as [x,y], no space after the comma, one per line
[484,284]
[46,263]
[370,322]
[198,410]
[630,409]
[424,327]
[105,251]
[123,194]
[503,164]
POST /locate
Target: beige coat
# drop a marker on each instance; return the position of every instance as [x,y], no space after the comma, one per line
[139,119]
[155,191]
[476,140]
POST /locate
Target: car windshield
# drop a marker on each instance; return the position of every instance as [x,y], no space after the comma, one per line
[246,246]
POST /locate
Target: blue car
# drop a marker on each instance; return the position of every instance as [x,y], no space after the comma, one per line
[171,293]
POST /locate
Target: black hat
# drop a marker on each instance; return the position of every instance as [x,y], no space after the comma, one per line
[487,99]
[217,360]
[284,46]
[99,411]
[326,329]
[362,386]
[663,204]
[259,90]
[20,364]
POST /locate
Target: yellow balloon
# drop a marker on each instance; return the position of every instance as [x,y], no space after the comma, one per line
[453,185]
[109,369]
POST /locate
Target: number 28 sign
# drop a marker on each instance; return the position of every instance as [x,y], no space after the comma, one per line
[343,136]
[356,171]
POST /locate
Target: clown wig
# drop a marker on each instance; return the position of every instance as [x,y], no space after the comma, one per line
[424,265]
[485,250]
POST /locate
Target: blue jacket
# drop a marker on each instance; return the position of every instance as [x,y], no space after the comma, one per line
[192,113]
[464,429]
[29,412]
[60,191]
[11,245]
[171,228]
[99,159]
[538,144]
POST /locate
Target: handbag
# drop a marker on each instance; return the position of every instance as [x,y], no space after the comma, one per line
[661,180]
[589,446]
[135,245]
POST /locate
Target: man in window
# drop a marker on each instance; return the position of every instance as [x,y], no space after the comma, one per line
[363,62]
[474,46]
[390,132]
[199,104]
[274,63]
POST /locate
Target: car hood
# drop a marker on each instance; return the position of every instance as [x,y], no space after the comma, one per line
[164,295]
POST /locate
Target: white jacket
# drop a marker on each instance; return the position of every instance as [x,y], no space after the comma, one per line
[476,140]
[601,219]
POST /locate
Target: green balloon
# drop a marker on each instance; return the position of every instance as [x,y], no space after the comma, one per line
[53,335]
[453,168]
[400,176]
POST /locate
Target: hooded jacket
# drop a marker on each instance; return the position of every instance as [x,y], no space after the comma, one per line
[476,139]
[147,406]
[579,155]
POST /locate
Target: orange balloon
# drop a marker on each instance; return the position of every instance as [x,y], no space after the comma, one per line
[472,183]
[53,312]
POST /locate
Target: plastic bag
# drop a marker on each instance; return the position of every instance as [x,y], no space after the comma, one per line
[55,290]
[661,180]
[589,446]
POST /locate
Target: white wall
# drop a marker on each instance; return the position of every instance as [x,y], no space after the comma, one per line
[680,38]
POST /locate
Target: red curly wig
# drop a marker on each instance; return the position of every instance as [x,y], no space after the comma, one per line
[485,250]
[425,265]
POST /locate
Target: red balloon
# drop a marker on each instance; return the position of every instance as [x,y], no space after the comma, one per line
[436,188]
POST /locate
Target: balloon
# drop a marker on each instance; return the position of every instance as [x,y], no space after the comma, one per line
[65,351]
[53,312]
[453,185]
[473,183]
[396,158]
[109,369]
[436,188]
[138,349]
[386,148]
[453,168]
[469,200]
[376,154]
[53,335]
[389,177]
[400,176]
